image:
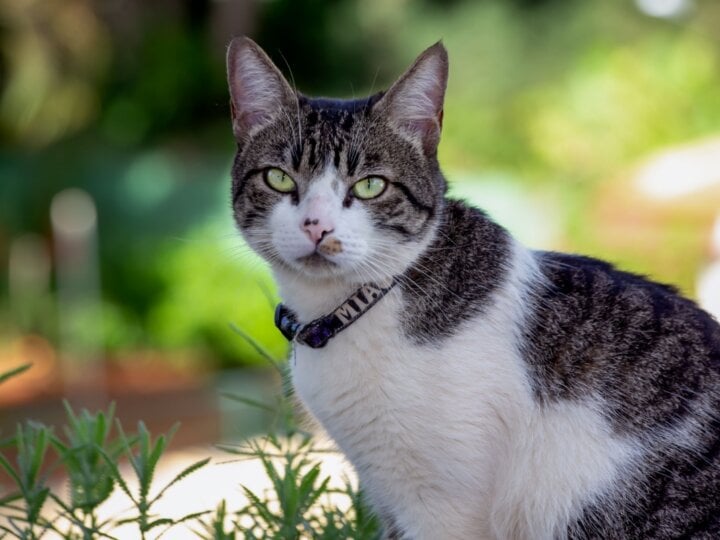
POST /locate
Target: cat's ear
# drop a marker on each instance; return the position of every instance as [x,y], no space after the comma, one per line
[258,91]
[414,104]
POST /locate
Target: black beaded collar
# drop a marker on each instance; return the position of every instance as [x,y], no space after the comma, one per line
[317,333]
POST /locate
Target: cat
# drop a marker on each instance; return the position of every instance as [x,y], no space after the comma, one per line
[480,389]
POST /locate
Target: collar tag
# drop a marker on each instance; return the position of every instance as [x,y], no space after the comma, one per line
[318,332]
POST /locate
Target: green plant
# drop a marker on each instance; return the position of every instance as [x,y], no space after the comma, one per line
[90,476]
[215,527]
[144,461]
[89,456]
[300,502]
[25,519]
[296,486]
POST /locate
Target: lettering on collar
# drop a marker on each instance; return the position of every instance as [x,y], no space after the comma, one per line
[318,332]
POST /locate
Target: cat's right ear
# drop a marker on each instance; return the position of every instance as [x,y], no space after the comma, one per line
[414,104]
[258,91]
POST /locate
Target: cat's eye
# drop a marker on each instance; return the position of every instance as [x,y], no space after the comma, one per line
[279,180]
[369,188]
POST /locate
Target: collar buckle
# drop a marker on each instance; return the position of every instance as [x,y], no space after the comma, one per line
[286,322]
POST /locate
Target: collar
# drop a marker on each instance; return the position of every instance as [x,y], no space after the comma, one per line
[318,332]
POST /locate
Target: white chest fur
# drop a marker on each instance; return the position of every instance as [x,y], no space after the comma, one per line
[448,440]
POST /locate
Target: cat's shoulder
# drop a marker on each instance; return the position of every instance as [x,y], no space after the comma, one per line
[571,273]
[588,292]
[459,216]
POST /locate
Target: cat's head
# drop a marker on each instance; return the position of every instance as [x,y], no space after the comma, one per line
[347,189]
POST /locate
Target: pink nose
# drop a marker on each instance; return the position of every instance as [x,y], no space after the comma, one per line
[316,229]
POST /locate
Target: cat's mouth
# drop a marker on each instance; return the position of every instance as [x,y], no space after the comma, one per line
[316,261]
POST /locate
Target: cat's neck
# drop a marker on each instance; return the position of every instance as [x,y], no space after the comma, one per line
[312,298]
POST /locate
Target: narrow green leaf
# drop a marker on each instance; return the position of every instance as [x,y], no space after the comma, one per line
[15,507]
[248,401]
[5,501]
[60,447]
[157,523]
[103,534]
[271,473]
[144,439]
[126,444]
[187,517]
[72,418]
[307,484]
[9,469]
[149,463]
[255,345]
[36,503]
[100,429]
[260,506]
[9,531]
[314,496]
[193,515]
[184,473]
[157,451]
[14,372]
[115,471]
[39,443]
[127,521]
[7,441]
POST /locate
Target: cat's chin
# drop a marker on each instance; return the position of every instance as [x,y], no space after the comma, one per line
[316,262]
[316,267]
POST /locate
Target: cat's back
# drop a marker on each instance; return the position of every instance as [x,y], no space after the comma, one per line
[596,325]
[652,358]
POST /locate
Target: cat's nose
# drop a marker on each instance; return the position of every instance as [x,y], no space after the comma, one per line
[316,228]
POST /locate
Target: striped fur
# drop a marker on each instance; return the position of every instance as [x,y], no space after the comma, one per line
[495,392]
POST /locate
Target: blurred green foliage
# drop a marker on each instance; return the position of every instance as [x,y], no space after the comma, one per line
[128,101]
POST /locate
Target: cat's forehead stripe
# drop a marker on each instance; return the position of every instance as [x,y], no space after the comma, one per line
[327,181]
[332,131]
[326,132]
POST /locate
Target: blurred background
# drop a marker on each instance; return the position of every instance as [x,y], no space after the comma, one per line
[591,127]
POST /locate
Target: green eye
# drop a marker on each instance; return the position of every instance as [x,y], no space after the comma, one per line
[279,180]
[369,188]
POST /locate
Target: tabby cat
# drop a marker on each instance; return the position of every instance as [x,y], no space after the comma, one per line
[480,389]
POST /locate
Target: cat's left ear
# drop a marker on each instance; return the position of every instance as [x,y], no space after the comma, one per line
[258,91]
[414,104]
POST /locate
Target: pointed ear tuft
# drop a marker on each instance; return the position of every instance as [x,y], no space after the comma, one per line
[258,91]
[415,102]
